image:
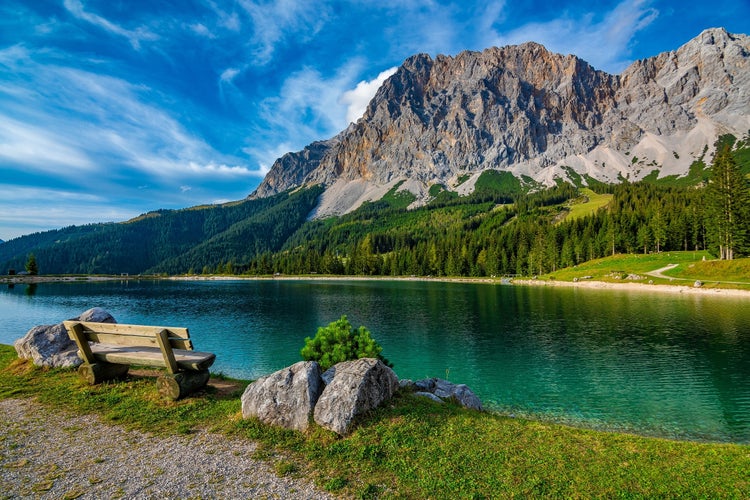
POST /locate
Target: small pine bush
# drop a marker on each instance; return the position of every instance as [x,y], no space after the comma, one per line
[340,341]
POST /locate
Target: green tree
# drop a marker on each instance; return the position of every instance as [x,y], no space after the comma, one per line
[728,198]
[31,265]
[340,341]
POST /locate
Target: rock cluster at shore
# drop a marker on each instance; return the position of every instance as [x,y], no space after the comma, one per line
[300,394]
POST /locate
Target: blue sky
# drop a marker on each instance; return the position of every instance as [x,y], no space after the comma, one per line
[112,108]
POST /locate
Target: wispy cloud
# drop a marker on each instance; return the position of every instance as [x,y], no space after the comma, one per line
[228,75]
[357,99]
[276,21]
[29,209]
[135,37]
[308,108]
[93,119]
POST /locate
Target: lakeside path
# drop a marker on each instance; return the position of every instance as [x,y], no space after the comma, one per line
[48,454]
[640,287]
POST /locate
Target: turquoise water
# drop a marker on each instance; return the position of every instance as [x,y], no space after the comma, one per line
[656,364]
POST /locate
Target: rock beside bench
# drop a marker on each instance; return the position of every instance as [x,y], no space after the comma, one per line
[50,346]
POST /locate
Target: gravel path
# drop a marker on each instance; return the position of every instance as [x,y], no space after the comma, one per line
[46,454]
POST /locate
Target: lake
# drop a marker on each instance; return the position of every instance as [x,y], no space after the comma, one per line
[657,364]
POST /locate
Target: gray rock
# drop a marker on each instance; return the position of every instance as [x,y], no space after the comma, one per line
[444,390]
[407,384]
[358,386]
[429,395]
[96,315]
[50,346]
[328,375]
[426,385]
[285,398]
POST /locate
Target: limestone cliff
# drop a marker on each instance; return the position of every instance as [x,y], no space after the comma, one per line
[534,113]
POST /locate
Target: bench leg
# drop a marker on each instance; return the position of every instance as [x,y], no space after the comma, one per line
[99,372]
[180,384]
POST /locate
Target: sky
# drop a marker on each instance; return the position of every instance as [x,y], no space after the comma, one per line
[113,108]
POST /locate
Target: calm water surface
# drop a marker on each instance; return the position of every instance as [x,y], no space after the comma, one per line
[656,364]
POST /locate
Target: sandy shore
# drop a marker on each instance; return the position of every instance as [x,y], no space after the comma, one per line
[588,284]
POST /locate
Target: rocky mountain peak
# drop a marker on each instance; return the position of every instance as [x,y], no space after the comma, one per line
[529,111]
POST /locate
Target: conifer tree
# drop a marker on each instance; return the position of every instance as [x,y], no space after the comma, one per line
[31,265]
[728,199]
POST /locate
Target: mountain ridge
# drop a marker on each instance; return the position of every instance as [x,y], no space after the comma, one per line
[531,112]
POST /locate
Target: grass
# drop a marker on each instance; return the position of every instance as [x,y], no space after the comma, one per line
[587,204]
[691,266]
[737,270]
[414,448]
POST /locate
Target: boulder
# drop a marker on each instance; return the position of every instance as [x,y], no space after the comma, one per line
[442,389]
[357,387]
[429,395]
[285,398]
[329,374]
[49,345]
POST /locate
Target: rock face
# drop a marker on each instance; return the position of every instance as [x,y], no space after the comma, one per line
[49,345]
[531,112]
[357,387]
[285,398]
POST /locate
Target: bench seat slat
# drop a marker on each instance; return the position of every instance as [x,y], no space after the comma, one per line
[152,356]
[125,329]
[136,340]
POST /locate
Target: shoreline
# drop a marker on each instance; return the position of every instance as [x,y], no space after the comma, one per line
[584,284]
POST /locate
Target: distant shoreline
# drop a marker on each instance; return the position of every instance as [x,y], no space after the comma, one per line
[587,284]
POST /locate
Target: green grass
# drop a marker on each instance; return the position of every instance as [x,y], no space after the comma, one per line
[691,266]
[737,270]
[414,448]
[587,204]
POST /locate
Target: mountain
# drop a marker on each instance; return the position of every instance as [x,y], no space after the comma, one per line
[541,116]
[444,175]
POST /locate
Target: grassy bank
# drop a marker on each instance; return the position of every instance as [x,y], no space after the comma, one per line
[414,448]
[690,266]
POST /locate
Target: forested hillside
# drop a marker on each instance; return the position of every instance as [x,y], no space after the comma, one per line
[158,239]
[505,226]
[498,231]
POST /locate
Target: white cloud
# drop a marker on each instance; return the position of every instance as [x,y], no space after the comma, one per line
[228,75]
[213,170]
[605,44]
[53,116]
[44,150]
[201,30]
[357,99]
[307,108]
[135,37]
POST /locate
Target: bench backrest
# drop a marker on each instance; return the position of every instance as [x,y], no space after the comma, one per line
[129,335]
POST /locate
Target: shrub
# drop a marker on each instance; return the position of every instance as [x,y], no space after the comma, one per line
[340,341]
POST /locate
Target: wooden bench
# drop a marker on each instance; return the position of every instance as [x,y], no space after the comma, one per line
[108,350]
